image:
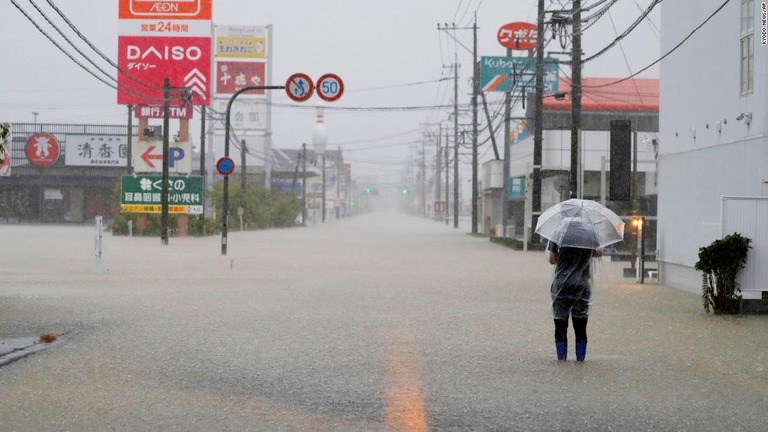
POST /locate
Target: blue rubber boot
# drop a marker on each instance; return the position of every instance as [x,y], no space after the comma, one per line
[581,351]
[562,350]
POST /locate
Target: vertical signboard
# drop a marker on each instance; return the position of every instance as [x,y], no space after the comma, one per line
[164,39]
[241,60]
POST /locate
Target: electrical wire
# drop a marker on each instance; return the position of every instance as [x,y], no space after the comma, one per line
[93,47]
[618,39]
[668,52]
[626,61]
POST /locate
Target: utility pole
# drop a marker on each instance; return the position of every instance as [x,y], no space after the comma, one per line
[423,176]
[475,86]
[455,145]
[437,166]
[447,184]
[242,183]
[505,191]
[202,166]
[538,122]
[575,99]
[475,92]
[304,184]
[130,139]
[166,148]
[337,202]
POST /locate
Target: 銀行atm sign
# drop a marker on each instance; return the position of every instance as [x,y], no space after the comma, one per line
[166,9]
[186,61]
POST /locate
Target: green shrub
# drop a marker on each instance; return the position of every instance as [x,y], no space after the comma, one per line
[720,263]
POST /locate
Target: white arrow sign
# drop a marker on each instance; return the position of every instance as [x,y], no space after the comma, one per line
[196,81]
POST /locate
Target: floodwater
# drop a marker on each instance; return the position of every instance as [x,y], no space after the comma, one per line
[379,322]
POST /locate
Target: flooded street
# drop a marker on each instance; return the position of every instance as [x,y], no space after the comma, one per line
[379,322]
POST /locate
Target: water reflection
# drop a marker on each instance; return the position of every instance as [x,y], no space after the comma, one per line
[404,399]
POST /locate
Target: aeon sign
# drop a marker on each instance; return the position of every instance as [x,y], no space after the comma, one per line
[186,61]
[165,9]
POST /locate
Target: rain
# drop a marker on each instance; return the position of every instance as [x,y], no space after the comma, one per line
[320,274]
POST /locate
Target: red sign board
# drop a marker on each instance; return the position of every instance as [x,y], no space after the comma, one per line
[518,35]
[156,111]
[42,149]
[165,9]
[184,60]
[232,76]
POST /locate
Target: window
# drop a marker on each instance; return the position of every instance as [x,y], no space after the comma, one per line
[747,46]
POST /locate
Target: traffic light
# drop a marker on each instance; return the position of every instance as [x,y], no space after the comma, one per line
[637,223]
[406,191]
[368,191]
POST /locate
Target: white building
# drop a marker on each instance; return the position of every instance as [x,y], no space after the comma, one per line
[713,112]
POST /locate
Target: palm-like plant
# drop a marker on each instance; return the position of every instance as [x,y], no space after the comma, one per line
[721,262]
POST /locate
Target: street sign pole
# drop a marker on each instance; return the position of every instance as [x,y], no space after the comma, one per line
[225,210]
[166,145]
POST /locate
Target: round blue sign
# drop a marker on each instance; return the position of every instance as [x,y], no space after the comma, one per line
[225,166]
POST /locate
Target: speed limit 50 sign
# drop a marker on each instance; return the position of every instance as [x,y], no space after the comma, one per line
[329,87]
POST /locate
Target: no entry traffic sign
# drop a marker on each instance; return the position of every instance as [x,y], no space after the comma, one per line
[225,166]
[299,87]
[330,87]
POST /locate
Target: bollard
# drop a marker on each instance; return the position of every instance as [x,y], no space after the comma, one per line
[97,245]
[130,228]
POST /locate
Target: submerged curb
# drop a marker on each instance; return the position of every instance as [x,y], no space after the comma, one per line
[15,349]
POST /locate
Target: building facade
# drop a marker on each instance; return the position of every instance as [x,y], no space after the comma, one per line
[603,100]
[713,143]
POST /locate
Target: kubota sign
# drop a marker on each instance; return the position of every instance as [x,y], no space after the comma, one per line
[186,61]
[166,9]
[518,35]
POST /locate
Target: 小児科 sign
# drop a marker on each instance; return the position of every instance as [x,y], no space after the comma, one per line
[143,194]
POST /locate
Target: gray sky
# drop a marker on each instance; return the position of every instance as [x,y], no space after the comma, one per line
[369,44]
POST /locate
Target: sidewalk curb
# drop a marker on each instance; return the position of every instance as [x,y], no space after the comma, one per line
[12,350]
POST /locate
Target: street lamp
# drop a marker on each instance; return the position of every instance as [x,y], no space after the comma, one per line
[319,140]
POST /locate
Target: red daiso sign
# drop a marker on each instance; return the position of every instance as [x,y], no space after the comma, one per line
[186,61]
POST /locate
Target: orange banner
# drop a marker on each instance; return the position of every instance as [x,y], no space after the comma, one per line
[166,9]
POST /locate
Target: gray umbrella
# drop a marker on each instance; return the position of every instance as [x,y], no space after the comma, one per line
[581,224]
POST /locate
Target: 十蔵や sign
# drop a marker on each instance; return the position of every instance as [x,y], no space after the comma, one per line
[232,76]
[143,194]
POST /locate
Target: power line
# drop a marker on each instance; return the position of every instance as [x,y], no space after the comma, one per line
[668,52]
[626,61]
[96,50]
[398,85]
[637,22]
